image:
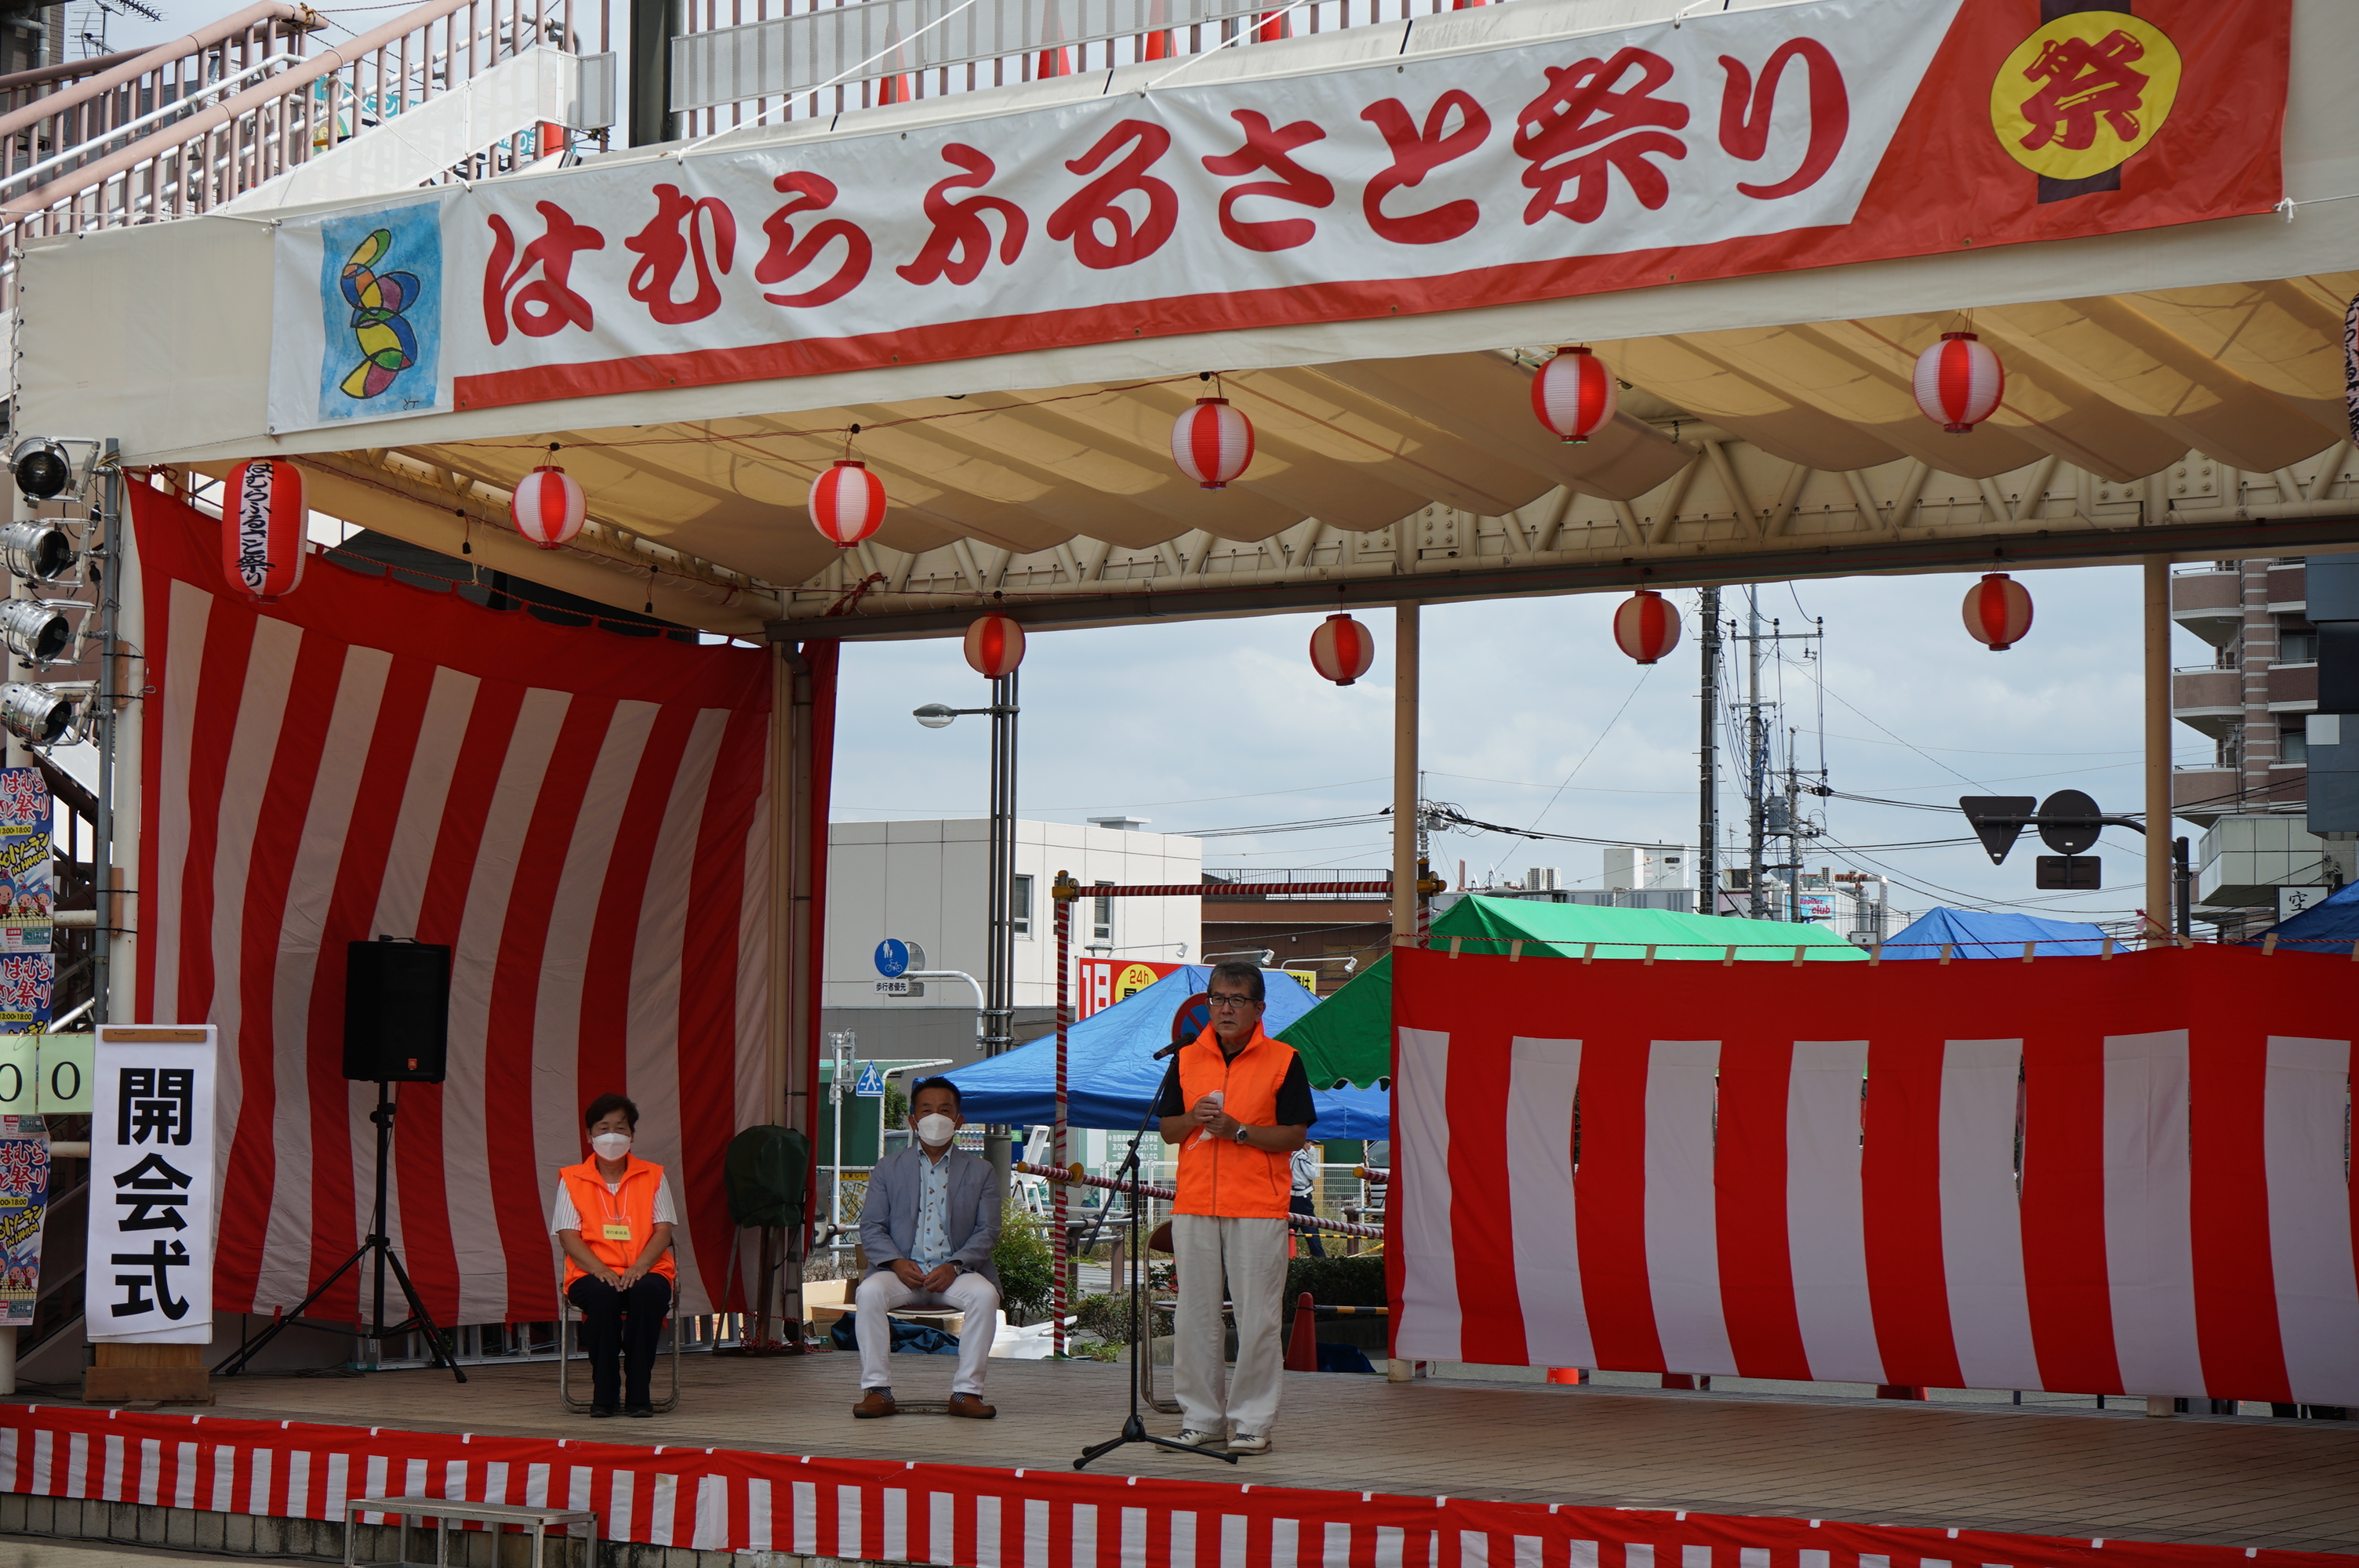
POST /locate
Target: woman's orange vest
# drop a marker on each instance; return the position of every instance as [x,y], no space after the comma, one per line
[633,1204]
[1234,1181]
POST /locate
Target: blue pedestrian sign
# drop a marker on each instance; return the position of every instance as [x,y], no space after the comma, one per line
[870,1084]
[896,957]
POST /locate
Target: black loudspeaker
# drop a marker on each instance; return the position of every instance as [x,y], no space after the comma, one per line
[397,1011]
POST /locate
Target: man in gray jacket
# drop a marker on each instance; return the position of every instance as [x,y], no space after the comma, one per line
[929,1224]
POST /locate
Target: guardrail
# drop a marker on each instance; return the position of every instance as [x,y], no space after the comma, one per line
[191,125]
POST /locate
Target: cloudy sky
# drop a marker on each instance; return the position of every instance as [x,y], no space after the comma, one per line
[1534,719]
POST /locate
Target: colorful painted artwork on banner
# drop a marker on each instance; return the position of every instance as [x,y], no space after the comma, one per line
[1476,162]
[381,303]
[24,1200]
[27,902]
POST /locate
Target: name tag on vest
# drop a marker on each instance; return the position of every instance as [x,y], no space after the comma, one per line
[616,1232]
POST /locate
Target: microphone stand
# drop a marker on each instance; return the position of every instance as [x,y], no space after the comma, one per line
[1134,1429]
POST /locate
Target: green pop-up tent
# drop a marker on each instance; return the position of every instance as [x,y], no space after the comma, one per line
[1348,1037]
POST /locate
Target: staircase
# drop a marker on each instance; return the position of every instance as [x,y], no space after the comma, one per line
[265,107]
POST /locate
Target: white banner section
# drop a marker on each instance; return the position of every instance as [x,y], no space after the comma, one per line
[153,1206]
[1441,179]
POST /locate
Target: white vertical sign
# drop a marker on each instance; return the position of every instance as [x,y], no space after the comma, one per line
[152,1202]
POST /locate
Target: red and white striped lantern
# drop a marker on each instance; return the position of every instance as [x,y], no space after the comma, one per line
[1341,649]
[1646,627]
[995,646]
[1212,442]
[847,503]
[1959,383]
[1998,611]
[1575,394]
[549,506]
[263,523]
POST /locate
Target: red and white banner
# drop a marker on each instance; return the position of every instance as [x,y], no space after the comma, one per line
[963,1516]
[579,814]
[1491,156]
[2123,1175]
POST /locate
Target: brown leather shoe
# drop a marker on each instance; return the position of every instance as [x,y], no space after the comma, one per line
[972,1407]
[874,1403]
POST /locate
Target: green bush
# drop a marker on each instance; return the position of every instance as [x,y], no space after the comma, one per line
[1337,1281]
[1028,1273]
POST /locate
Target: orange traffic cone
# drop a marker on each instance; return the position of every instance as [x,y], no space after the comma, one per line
[1302,1345]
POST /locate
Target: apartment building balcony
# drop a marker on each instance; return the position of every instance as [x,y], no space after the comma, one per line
[2203,795]
[2293,688]
[2208,603]
[2210,701]
[2289,590]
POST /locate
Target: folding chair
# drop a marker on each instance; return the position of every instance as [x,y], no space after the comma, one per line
[828,1300]
[568,1314]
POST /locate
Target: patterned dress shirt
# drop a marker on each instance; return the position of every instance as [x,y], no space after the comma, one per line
[933,1241]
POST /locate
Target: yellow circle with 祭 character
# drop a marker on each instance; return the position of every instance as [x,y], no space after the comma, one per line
[1134,979]
[2084,93]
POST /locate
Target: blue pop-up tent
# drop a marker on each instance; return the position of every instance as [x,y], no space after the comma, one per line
[1971,933]
[2329,926]
[1110,1073]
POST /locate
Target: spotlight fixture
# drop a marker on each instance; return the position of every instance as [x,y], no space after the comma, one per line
[42,468]
[35,630]
[36,715]
[38,551]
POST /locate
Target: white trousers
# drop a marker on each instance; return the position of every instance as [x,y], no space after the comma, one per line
[1251,1253]
[883,1291]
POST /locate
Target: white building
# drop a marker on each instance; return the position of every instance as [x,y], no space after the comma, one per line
[1648,867]
[924,883]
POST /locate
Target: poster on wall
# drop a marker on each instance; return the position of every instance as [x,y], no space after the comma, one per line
[150,1270]
[23,1199]
[27,902]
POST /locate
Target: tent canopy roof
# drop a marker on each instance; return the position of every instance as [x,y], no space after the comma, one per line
[1978,934]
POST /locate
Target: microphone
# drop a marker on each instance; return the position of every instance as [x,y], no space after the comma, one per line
[1170,1050]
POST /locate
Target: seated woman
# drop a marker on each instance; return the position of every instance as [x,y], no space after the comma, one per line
[614,1216]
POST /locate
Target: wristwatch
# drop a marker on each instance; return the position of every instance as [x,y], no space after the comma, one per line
[1239,1135]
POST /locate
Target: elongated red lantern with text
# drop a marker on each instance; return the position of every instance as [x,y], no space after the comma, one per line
[263,526]
[549,506]
[1646,627]
[1998,611]
[995,646]
[1341,649]
[847,503]
[1212,443]
[1575,394]
[1959,383]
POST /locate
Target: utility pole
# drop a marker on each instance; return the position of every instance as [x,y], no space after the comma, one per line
[1757,745]
[1708,785]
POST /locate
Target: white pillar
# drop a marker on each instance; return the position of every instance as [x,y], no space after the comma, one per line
[2157,752]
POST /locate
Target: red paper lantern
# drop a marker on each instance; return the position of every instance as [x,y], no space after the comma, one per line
[1998,611]
[1341,649]
[995,646]
[263,523]
[1959,383]
[1212,442]
[847,503]
[549,506]
[1646,627]
[1575,394]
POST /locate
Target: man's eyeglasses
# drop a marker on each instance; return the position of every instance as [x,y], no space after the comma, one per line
[1217,1001]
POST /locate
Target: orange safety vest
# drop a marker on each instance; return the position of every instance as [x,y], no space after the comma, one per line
[632,1204]
[1223,1177]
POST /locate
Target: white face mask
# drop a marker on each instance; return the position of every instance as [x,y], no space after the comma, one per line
[935,1130]
[612,1145]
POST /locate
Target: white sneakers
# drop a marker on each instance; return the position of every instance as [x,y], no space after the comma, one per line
[1196,1438]
[1246,1443]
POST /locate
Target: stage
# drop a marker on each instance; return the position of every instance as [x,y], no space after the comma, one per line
[1356,1455]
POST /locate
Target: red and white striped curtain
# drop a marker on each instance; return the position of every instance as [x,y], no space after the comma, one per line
[580,813]
[2125,1175]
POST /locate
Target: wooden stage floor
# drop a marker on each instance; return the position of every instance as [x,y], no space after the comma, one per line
[2226,1481]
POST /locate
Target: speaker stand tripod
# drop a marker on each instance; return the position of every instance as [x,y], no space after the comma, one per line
[1133,1430]
[378,1244]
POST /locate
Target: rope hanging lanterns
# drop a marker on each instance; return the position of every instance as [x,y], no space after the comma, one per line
[1645,626]
[264,523]
[1959,383]
[1341,649]
[1574,395]
[1997,611]
[549,506]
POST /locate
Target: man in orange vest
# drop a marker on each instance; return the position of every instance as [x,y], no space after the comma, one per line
[1238,1104]
[614,1216]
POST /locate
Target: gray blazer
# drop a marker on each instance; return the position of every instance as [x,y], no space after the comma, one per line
[888,1215]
